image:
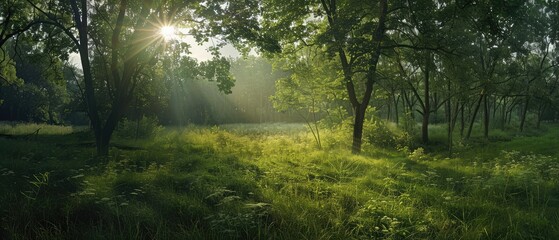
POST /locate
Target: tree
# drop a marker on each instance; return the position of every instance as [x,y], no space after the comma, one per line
[496,27]
[311,89]
[351,31]
[123,36]
[16,17]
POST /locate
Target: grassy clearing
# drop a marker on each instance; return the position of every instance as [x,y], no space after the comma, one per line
[239,182]
[30,128]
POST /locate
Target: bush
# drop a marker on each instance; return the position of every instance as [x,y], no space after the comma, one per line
[378,133]
[146,127]
[418,154]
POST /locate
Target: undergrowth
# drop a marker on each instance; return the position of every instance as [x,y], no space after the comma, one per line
[234,182]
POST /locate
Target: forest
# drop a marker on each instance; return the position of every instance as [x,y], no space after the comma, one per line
[279,119]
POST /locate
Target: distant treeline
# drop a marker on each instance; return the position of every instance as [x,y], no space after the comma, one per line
[49,93]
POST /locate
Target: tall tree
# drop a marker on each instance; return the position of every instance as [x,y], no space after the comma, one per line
[351,31]
[124,37]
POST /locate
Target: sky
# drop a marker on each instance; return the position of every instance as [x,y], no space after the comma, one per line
[199,52]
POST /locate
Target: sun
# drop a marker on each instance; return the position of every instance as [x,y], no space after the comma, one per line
[168,33]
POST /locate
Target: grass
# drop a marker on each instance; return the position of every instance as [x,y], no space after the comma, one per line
[271,182]
[45,129]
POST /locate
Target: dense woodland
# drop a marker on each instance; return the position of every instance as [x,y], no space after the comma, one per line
[358,110]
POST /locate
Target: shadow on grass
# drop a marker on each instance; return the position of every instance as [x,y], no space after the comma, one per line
[56,188]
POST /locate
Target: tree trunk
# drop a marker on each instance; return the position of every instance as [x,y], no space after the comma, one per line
[358,130]
[462,120]
[389,110]
[469,133]
[486,113]
[523,113]
[396,109]
[449,119]
[435,110]
[494,104]
[503,113]
[409,104]
[426,102]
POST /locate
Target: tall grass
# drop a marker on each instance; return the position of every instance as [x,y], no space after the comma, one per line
[29,128]
[246,182]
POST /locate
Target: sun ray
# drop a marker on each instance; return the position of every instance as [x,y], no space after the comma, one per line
[168,33]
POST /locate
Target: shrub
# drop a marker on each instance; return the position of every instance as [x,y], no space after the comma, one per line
[146,127]
[418,154]
[380,134]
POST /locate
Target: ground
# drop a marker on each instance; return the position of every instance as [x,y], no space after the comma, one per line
[272,182]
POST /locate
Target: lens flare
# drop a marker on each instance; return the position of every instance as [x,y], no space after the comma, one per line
[168,32]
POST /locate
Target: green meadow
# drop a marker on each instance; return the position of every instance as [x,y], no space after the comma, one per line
[270,181]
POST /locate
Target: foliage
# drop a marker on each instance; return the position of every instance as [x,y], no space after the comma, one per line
[8,71]
[380,134]
[312,90]
[145,127]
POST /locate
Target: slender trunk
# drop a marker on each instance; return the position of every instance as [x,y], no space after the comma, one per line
[523,113]
[494,104]
[426,102]
[315,122]
[469,133]
[396,109]
[510,110]
[409,104]
[389,110]
[462,120]
[455,117]
[503,113]
[449,119]
[435,110]
[358,130]
[485,117]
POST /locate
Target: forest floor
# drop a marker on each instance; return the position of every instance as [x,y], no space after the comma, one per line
[272,182]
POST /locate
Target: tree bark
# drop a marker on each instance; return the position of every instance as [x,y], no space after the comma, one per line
[503,113]
[486,113]
[469,133]
[462,120]
[389,110]
[426,102]
[449,125]
[358,130]
[524,113]
[396,109]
